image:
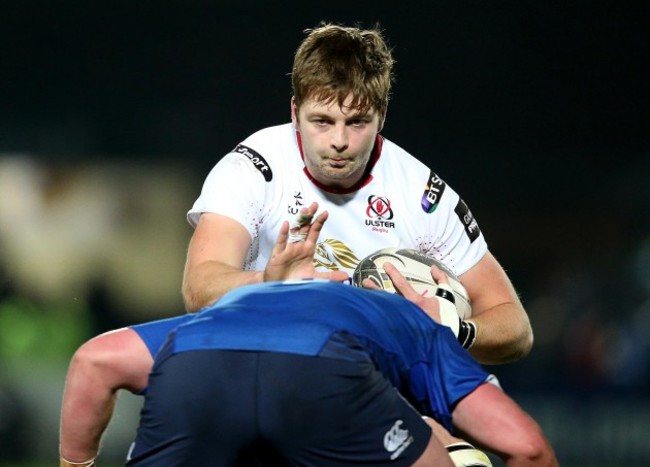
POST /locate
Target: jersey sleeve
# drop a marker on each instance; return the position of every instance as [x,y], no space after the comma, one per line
[449,375]
[233,188]
[436,221]
[154,333]
[460,242]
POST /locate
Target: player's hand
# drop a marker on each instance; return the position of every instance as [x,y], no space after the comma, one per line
[430,305]
[441,308]
[293,254]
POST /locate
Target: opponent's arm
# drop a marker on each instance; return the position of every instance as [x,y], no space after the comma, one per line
[492,420]
[99,368]
[503,333]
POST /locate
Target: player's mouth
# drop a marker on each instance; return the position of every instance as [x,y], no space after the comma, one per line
[337,161]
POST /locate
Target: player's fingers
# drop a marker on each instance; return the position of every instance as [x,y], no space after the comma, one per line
[304,217]
[313,207]
[369,284]
[300,225]
[439,275]
[281,241]
[336,276]
[316,227]
[400,282]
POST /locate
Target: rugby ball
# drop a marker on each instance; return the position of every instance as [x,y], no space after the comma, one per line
[416,268]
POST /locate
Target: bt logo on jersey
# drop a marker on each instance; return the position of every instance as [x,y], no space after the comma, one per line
[432,193]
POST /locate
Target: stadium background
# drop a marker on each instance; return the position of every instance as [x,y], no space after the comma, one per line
[111,114]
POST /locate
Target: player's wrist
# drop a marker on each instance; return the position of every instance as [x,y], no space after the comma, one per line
[467,332]
[447,308]
[63,462]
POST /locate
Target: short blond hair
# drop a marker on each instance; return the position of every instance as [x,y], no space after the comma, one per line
[334,61]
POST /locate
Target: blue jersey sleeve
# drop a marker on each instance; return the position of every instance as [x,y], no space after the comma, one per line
[154,333]
[441,382]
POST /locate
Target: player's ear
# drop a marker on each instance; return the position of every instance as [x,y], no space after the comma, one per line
[382,120]
[294,113]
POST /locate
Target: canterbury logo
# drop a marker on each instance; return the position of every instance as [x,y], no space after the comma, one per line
[397,439]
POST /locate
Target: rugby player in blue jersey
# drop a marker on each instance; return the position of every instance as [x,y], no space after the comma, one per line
[303,373]
[321,373]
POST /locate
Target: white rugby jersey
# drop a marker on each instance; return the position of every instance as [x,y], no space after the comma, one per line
[402,203]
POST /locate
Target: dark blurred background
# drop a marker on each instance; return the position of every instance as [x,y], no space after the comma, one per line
[537,113]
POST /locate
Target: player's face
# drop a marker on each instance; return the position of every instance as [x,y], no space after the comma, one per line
[336,141]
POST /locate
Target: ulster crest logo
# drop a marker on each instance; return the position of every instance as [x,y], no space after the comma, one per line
[379,213]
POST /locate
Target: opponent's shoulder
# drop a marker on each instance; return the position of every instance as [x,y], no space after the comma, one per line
[161,325]
[154,333]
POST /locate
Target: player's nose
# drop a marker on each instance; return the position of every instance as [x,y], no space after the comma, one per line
[339,138]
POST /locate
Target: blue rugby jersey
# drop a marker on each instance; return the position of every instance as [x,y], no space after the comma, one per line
[154,333]
[420,357]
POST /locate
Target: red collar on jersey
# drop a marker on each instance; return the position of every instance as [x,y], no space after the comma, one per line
[365,179]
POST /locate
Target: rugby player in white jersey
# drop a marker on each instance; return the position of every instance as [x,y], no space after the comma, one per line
[376,193]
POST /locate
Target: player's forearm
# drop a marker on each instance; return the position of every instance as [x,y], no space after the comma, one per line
[503,334]
[99,368]
[86,411]
[81,432]
[205,283]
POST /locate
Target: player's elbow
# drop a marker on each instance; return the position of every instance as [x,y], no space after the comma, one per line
[520,342]
[512,345]
[524,343]
[188,301]
[195,296]
[518,348]
[522,336]
[88,361]
[191,300]
[528,343]
[111,361]
[533,451]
